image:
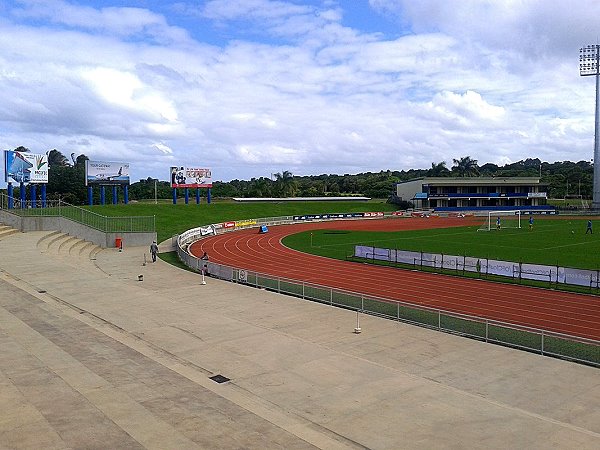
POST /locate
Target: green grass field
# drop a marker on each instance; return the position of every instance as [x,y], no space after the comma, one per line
[560,242]
[174,219]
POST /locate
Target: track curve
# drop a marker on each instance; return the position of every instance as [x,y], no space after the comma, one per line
[573,314]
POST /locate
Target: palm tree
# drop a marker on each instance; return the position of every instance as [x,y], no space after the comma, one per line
[465,167]
[285,185]
[57,159]
[438,170]
[260,187]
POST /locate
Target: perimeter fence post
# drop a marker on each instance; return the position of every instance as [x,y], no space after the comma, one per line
[439,320]
[487,330]
[303,295]
[542,349]
[279,285]
[362,302]
[330,297]
[398,311]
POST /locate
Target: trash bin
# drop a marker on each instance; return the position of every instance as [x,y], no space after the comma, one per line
[118,242]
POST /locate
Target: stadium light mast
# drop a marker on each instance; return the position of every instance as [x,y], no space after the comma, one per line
[589,64]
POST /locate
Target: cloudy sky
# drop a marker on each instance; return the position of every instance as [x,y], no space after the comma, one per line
[253,87]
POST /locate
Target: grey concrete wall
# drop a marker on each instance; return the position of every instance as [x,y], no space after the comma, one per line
[49,223]
[11,220]
[40,223]
[130,239]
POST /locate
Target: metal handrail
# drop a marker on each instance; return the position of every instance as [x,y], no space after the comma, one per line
[60,208]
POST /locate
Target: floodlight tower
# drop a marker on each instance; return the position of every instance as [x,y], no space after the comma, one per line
[589,64]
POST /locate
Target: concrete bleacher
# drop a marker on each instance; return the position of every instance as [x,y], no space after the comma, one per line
[94,358]
[6,230]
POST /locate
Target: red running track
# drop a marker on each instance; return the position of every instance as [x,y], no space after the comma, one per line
[573,314]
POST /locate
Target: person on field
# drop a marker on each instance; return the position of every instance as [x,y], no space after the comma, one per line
[530,223]
[204,259]
[498,223]
[153,250]
[589,228]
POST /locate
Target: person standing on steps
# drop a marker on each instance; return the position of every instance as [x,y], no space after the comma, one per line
[153,250]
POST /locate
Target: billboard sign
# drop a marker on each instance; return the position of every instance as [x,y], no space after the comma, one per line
[23,167]
[100,172]
[189,177]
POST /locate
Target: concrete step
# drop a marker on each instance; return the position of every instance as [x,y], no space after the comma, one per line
[6,231]
[45,240]
[64,247]
[94,252]
[55,243]
[85,249]
[75,249]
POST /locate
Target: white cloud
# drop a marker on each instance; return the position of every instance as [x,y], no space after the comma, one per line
[253,9]
[165,149]
[289,86]
[123,21]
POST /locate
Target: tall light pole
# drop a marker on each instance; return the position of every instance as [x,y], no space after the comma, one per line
[589,64]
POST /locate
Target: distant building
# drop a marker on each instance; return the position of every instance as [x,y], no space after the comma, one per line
[475,193]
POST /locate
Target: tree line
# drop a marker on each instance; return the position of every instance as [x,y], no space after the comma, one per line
[564,179]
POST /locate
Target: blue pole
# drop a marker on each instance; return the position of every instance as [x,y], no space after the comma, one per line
[90,196]
[208,196]
[23,195]
[197,196]
[33,196]
[114,189]
[11,201]
[174,196]
[102,195]
[187,195]
[44,195]
[125,193]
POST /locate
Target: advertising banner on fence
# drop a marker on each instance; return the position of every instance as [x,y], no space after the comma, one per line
[473,264]
[542,273]
[328,216]
[190,177]
[207,230]
[502,268]
[408,257]
[102,172]
[24,167]
[551,274]
[453,262]
[245,223]
[431,259]
[581,277]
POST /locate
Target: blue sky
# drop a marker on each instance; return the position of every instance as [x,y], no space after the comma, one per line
[252,87]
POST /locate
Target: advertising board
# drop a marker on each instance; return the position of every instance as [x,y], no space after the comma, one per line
[102,172]
[190,177]
[25,167]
